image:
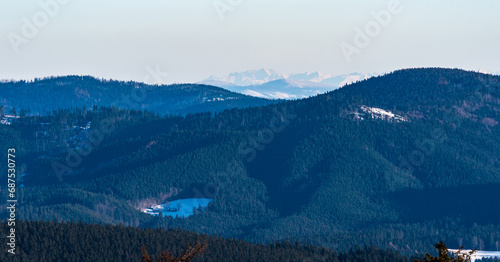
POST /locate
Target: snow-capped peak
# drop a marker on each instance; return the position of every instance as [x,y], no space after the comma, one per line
[252,77]
[265,75]
[271,84]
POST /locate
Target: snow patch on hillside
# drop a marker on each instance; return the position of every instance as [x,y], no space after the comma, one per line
[269,95]
[249,92]
[217,99]
[382,114]
[479,254]
[378,113]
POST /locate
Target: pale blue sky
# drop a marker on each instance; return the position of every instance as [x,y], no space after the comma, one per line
[189,40]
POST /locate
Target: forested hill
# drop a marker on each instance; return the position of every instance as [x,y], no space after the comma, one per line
[424,93]
[399,161]
[45,95]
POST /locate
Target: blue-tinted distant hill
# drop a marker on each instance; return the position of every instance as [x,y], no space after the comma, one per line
[45,95]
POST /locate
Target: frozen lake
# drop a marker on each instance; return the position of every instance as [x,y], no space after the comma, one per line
[180,207]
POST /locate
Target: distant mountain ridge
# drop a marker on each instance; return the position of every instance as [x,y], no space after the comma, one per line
[267,83]
[45,95]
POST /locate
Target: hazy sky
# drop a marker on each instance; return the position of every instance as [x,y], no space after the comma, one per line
[193,39]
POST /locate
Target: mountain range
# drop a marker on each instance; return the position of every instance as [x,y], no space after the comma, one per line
[44,95]
[399,161]
[267,83]
[266,86]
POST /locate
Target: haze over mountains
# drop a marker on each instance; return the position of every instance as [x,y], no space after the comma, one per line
[267,83]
